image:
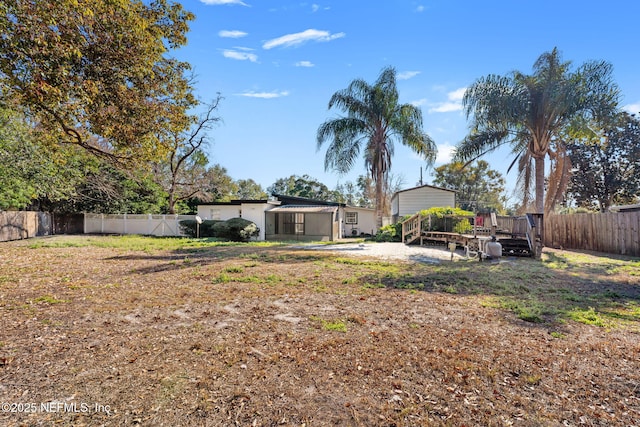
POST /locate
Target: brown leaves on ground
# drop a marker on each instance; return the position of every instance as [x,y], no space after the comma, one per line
[253,336]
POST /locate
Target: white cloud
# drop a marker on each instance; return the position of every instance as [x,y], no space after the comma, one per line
[315,7]
[419,102]
[457,94]
[454,102]
[240,56]
[235,34]
[305,64]
[406,75]
[221,2]
[445,153]
[632,108]
[296,39]
[446,107]
[264,95]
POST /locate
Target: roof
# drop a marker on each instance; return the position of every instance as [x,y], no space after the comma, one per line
[237,202]
[295,200]
[423,186]
[625,208]
[304,209]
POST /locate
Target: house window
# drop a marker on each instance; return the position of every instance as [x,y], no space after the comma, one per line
[293,223]
[215,214]
[351,217]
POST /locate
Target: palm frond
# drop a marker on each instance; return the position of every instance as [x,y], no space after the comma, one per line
[346,138]
[480,143]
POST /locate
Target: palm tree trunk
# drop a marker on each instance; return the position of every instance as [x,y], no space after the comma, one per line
[539,164]
[379,198]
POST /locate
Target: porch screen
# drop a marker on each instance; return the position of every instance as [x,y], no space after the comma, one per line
[293,223]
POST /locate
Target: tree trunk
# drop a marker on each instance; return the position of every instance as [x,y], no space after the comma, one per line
[539,164]
[379,199]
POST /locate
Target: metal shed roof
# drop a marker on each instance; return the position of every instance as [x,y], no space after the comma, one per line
[304,209]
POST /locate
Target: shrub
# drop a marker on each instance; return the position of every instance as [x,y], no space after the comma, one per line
[389,233]
[236,229]
[190,227]
[448,219]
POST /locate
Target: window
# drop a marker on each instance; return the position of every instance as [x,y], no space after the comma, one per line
[351,217]
[215,214]
[293,223]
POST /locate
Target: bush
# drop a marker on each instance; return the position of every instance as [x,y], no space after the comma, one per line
[235,229]
[389,233]
[190,227]
[448,219]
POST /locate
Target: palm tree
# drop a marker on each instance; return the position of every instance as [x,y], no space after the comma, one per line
[374,120]
[530,112]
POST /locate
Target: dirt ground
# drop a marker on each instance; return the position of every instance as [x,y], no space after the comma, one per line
[266,336]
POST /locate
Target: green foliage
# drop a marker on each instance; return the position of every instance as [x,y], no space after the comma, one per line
[29,169]
[442,212]
[248,189]
[302,186]
[462,226]
[373,121]
[528,113]
[389,233]
[87,69]
[447,219]
[478,186]
[234,229]
[190,228]
[607,165]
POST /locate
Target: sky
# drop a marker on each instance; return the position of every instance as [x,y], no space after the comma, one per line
[276,64]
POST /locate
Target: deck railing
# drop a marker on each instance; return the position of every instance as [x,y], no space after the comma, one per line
[411,228]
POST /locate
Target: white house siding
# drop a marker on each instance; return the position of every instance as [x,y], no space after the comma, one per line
[253,212]
[366,221]
[219,212]
[408,202]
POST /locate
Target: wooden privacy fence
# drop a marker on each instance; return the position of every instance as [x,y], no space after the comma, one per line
[615,233]
[16,225]
[155,225]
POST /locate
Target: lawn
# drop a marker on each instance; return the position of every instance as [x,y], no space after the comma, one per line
[177,332]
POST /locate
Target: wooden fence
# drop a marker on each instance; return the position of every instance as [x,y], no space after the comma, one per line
[615,233]
[16,225]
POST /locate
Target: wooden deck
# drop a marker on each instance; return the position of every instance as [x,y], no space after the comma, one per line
[518,236]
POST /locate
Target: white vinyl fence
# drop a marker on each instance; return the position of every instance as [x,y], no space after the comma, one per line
[152,225]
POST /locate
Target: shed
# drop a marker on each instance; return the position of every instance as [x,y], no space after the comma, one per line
[412,200]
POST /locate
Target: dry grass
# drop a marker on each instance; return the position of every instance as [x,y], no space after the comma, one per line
[187,332]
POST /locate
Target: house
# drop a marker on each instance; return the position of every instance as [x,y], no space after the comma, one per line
[357,221]
[299,218]
[252,210]
[296,218]
[412,200]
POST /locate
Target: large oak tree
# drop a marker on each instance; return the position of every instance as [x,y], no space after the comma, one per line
[97,73]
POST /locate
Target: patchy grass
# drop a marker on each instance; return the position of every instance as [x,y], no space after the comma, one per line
[198,332]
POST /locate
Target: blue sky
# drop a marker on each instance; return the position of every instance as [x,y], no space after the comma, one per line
[277,63]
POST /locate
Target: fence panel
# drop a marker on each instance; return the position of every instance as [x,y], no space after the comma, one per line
[616,233]
[16,225]
[153,225]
